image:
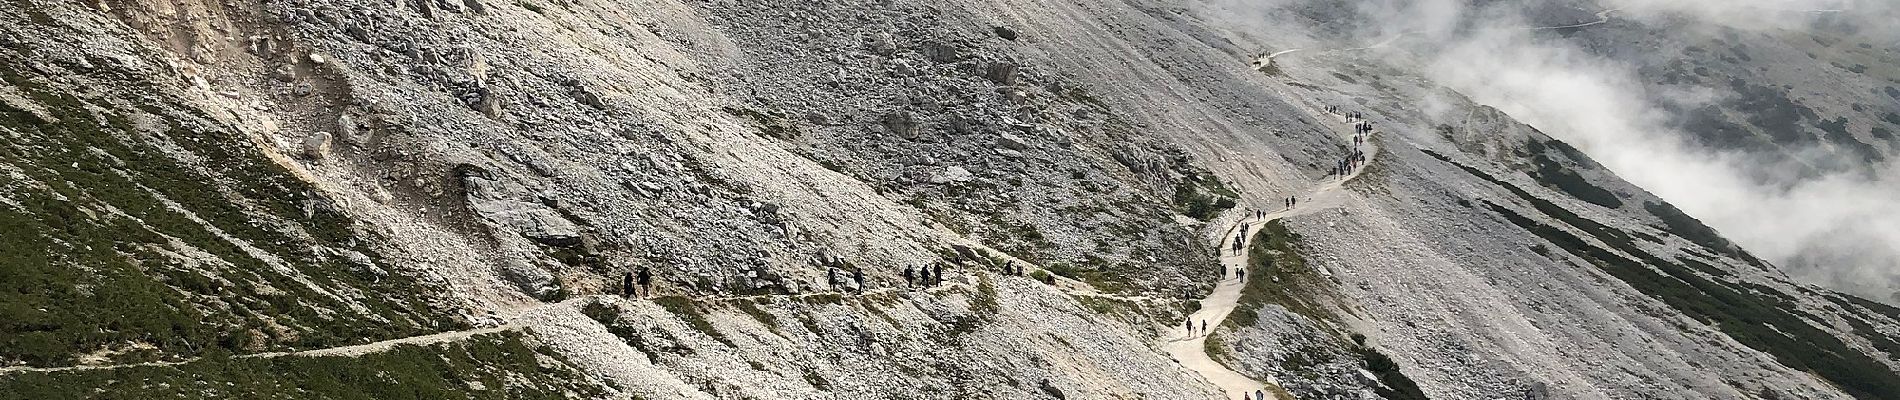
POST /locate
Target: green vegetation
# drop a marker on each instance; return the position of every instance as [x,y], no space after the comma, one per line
[690,312]
[1274,253]
[1097,272]
[1216,348]
[1202,196]
[118,242]
[1552,174]
[752,309]
[1393,384]
[494,366]
[983,308]
[1687,227]
[1770,325]
[1042,276]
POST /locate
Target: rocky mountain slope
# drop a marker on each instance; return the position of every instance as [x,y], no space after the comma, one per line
[441,198]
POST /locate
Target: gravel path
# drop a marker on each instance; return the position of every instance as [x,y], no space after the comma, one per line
[1190,349]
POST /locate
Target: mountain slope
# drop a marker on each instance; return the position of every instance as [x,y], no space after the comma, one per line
[217,189]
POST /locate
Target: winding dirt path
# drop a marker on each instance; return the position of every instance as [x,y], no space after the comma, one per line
[1190,349]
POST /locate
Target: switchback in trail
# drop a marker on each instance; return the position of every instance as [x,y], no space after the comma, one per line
[1191,350]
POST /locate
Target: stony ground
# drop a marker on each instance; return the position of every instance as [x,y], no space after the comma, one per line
[286,184]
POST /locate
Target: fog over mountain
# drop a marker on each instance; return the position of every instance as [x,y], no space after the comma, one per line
[1824,212]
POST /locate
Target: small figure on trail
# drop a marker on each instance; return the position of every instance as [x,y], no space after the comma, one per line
[1190,327]
[857,274]
[938,275]
[1260,394]
[831,277]
[626,285]
[1203,327]
[1223,271]
[910,275]
[645,279]
[1241,273]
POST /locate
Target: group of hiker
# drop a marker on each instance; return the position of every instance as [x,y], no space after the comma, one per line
[1011,268]
[637,284]
[857,277]
[1190,327]
[928,275]
[1352,162]
[1289,202]
[1361,127]
[1240,239]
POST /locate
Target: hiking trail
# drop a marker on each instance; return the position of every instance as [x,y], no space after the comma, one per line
[1191,350]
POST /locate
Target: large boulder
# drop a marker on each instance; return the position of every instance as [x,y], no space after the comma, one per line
[317,145]
[533,280]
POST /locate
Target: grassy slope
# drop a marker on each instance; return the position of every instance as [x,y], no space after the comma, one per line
[95,259]
[494,366]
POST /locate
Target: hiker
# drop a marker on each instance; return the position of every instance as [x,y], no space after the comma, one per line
[1203,327]
[831,277]
[938,275]
[626,285]
[645,279]
[857,274]
[1241,273]
[1223,271]
[910,275]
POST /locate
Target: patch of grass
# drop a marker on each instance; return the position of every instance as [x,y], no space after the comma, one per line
[690,312]
[1202,196]
[1552,174]
[1687,227]
[1216,348]
[983,308]
[751,308]
[1274,253]
[1042,276]
[494,366]
[128,235]
[1393,384]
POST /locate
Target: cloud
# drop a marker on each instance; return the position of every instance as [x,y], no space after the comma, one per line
[1839,230]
